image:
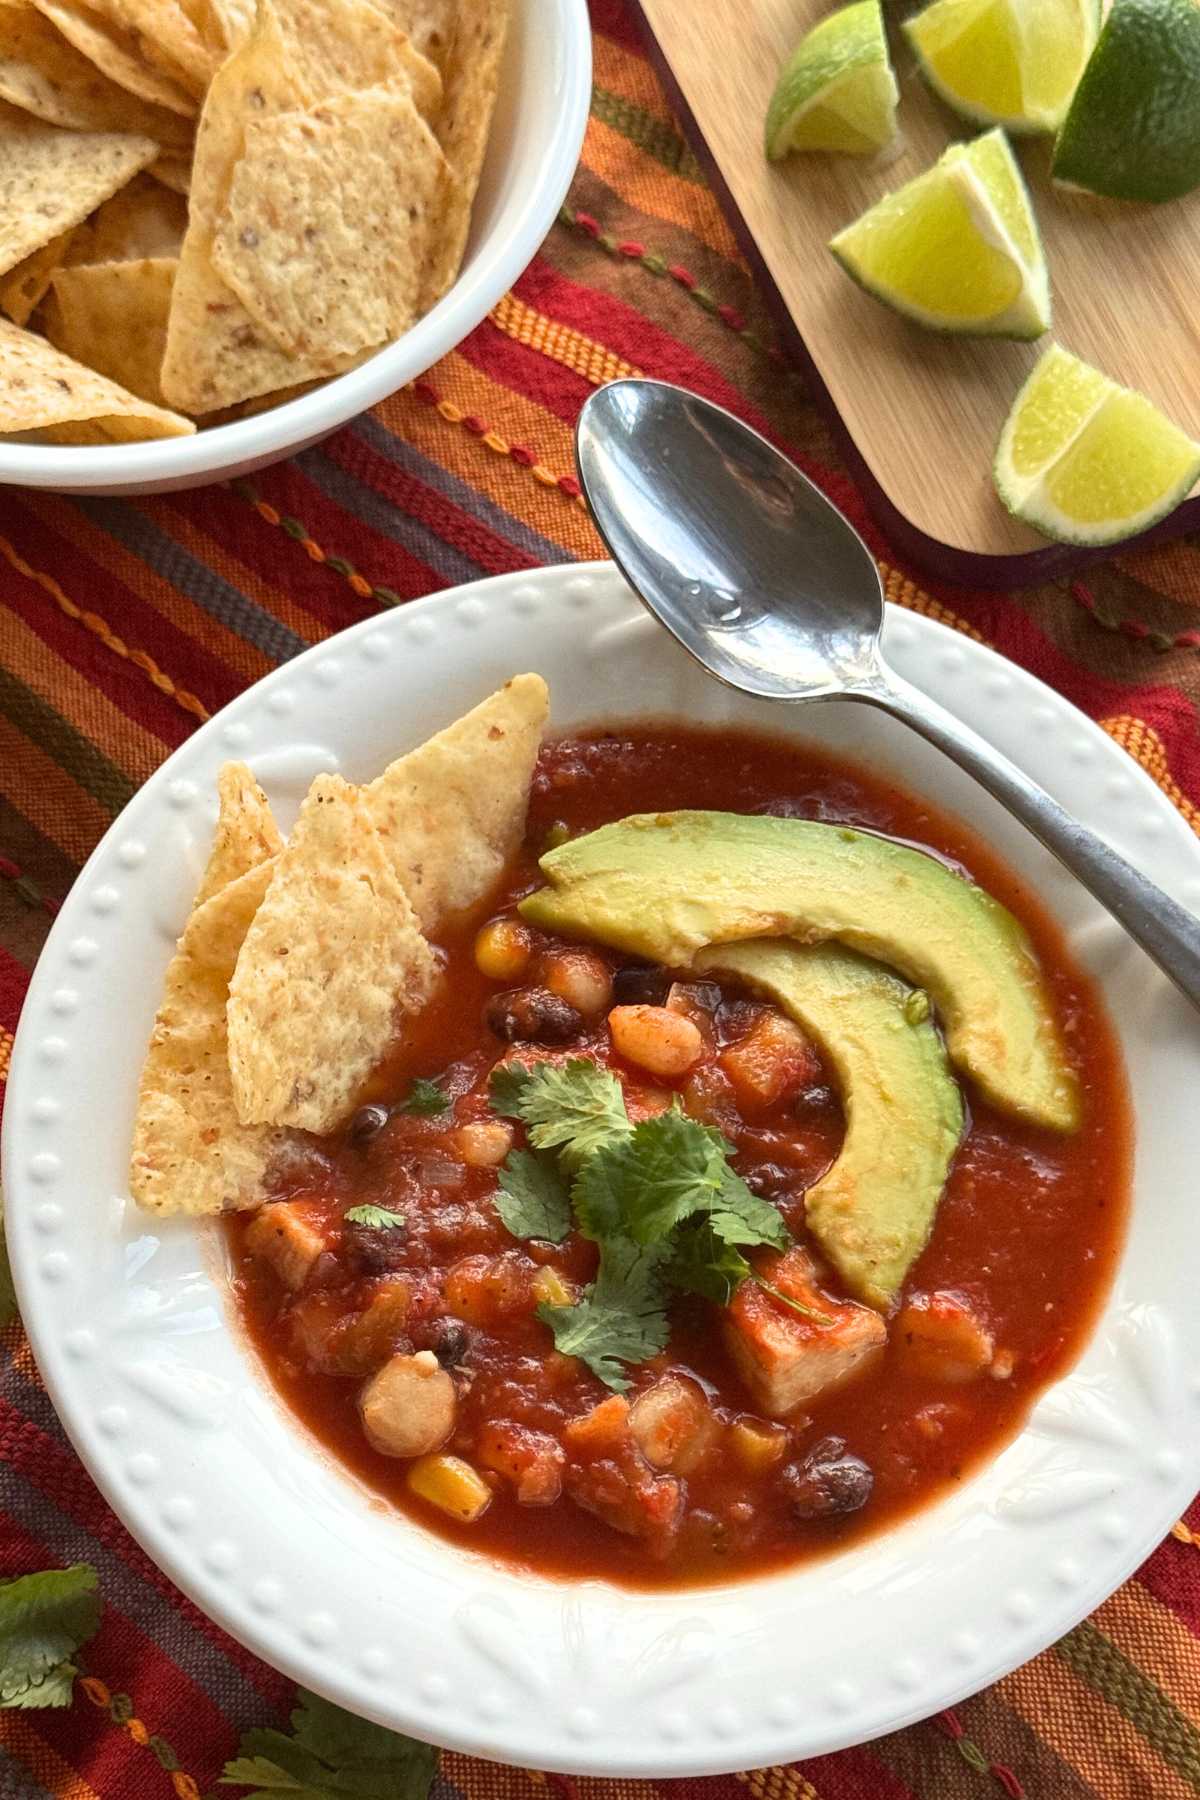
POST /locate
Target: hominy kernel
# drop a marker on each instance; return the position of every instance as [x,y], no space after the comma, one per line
[584,981]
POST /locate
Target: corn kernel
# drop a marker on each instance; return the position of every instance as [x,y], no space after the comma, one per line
[502,950]
[452,1485]
[757,1445]
[551,1289]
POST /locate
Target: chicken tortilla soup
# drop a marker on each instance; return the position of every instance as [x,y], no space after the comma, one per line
[662,1195]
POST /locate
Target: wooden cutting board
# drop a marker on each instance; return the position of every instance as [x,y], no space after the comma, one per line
[922,412]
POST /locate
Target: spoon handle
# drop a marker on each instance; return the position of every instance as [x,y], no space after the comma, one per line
[1166,931]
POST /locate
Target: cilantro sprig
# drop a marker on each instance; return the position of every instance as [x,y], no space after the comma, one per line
[424,1098]
[378,1217]
[331,1754]
[659,1198]
[44,1619]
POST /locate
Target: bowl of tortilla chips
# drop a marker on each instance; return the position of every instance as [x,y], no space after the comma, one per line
[229,226]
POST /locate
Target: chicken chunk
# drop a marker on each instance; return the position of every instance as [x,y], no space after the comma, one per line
[408,1408]
[787,1359]
[940,1338]
[287,1235]
[673,1425]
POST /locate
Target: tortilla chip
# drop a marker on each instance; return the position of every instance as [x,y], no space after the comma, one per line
[174,172]
[167,37]
[216,353]
[191,1154]
[47,77]
[452,812]
[333,955]
[43,391]
[23,288]
[324,236]
[246,833]
[112,317]
[118,54]
[51,179]
[472,82]
[223,24]
[428,23]
[343,46]
[144,219]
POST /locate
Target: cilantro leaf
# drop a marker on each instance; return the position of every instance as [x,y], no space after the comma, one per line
[425,1098]
[621,1318]
[743,1217]
[705,1264]
[377,1216]
[332,1755]
[532,1198]
[507,1087]
[574,1107]
[643,1185]
[8,1293]
[44,1619]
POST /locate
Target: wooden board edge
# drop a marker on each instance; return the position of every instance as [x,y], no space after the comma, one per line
[945,562]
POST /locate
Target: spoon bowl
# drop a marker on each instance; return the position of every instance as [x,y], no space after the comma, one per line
[765,583]
[678,489]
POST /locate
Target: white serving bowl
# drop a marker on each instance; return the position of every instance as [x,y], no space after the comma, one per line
[541,115]
[133,1329]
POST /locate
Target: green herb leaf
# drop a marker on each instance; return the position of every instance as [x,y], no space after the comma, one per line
[8,1293]
[44,1619]
[705,1264]
[259,1772]
[646,1183]
[425,1098]
[743,1217]
[620,1319]
[332,1755]
[532,1198]
[377,1216]
[574,1107]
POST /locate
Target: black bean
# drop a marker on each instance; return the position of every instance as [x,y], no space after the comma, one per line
[376,1249]
[827,1481]
[367,1123]
[735,1018]
[532,1016]
[452,1343]
[770,1180]
[640,985]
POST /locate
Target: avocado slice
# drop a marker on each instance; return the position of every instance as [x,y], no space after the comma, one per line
[873,1210]
[663,885]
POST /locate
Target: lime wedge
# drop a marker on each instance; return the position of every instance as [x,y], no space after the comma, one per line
[1133,128]
[1086,460]
[1006,62]
[957,249]
[837,91]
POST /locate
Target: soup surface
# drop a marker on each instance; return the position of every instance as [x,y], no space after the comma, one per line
[694,1473]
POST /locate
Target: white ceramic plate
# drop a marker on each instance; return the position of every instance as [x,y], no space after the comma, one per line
[537,133]
[278,1544]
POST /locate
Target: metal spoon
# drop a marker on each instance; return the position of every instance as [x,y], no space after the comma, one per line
[766,584]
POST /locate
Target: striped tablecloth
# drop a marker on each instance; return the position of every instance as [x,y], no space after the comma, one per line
[124,623]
